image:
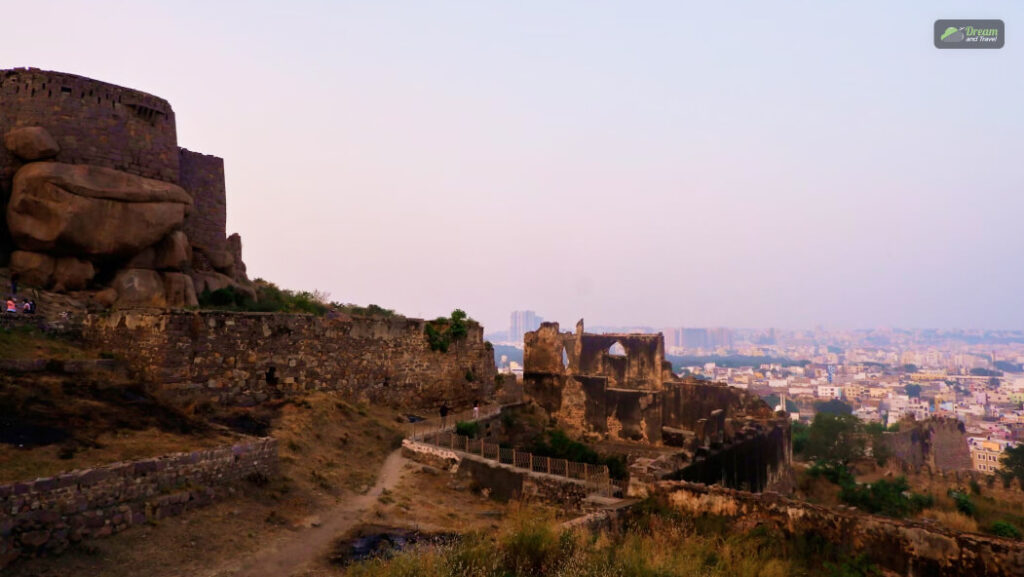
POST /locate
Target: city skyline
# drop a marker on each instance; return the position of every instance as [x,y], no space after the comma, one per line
[649,175]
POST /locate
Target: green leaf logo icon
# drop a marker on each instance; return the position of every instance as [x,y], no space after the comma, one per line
[952,34]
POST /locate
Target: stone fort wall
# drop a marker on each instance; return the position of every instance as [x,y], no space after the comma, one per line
[938,444]
[227,357]
[46,515]
[904,547]
[202,176]
[92,121]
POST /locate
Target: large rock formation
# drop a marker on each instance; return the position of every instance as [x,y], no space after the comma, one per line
[96,196]
[31,143]
[91,210]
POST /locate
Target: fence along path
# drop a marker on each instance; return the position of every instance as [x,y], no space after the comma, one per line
[435,433]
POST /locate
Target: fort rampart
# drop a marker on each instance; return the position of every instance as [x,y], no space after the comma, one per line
[247,358]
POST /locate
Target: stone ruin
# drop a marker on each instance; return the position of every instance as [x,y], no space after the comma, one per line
[936,444]
[99,200]
[619,389]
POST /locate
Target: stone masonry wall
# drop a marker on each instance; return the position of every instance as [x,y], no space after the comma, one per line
[202,175]
[46,515]
[905,547]
[92,121]
[937,443]
[227,357]
[500,481]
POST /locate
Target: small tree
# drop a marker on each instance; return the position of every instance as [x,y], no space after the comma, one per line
[1013,463]
[913,390]
[836,438]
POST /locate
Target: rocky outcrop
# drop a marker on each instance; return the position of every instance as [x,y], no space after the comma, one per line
[91,210]
[72,274]
[211,281]
[97,190]
[32,268]
[235,247]
[31,143]
[179,290]
[138,287]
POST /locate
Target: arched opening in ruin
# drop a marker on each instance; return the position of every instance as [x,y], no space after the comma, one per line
[617,350]
[565,359]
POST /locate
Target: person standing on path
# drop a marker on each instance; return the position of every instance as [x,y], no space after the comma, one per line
[444,415]
[476,410]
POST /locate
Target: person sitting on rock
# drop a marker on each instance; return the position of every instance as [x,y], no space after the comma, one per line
[26,307]
[12,307]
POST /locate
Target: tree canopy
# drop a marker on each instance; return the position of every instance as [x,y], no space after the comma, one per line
[833,407]
[835,438]
[1013,462]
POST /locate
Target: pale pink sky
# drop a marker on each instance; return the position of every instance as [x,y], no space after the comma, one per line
[786,164]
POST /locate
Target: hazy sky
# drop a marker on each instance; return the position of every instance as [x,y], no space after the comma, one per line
[661,163]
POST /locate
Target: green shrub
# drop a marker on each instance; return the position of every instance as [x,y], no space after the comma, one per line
[437,338]
[963,502]
[890,498]
[835,472]
[269,298]
[557,445]
[800,433]
[467,429]
[442,332]
[1004,529]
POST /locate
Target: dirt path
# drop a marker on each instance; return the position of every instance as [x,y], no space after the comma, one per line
[305,546]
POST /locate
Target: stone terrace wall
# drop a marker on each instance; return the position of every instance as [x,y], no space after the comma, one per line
[45,515]
[906,547]
[225,357]
[92,121]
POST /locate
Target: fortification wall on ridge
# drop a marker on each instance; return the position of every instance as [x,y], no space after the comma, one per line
[227,357]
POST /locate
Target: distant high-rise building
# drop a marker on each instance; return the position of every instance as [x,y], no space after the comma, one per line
[694,338]
[522,322]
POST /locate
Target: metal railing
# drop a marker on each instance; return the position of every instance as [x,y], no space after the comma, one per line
[417,429]
[594,476]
